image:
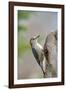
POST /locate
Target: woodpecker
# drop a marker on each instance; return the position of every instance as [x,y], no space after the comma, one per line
[37,51]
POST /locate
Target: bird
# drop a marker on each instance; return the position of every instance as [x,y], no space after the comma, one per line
[37,51]
[46,55]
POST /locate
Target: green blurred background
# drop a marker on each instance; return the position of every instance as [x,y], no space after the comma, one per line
[32,23]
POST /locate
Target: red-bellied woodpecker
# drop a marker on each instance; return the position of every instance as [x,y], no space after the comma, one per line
[38,52]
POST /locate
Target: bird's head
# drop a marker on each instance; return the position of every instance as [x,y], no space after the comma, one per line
[34,39]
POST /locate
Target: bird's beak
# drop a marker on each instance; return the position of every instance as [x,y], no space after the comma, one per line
[37,37]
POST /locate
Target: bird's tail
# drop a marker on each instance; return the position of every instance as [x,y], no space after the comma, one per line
[43,72]
[43,67]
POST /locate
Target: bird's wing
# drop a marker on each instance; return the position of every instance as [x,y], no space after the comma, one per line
[37,58]
[36,55]
[42,59]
